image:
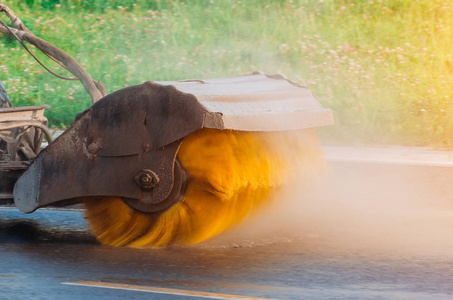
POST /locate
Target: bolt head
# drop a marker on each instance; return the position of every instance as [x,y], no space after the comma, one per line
[147,147]
[146,179]
[93,148]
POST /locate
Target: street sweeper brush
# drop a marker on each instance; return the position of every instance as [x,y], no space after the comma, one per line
[176,162]
[232,174]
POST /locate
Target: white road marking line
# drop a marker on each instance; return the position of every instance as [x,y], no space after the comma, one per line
[158,290]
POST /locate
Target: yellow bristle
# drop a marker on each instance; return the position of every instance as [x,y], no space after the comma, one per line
[231,175]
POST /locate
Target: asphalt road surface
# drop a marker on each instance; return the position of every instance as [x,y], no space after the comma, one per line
[387,240]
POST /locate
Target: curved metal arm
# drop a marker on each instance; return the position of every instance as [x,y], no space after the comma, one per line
[94,88]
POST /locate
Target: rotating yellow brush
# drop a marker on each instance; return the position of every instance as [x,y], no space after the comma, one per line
[232,174]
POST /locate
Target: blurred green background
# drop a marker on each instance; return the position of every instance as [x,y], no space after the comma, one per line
[384,66]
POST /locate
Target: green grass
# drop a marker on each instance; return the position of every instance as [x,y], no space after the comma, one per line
[385,67]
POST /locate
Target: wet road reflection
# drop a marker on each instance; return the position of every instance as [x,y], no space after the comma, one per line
[45,249]
[57,227]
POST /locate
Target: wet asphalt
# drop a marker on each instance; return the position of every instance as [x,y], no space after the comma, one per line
[44,250]
[390,238]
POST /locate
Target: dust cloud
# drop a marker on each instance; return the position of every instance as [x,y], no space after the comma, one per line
[368,206]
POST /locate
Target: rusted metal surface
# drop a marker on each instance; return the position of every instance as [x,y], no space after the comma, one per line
[142,118]
[125,145]
[21,133]
[66,170]
[135,129]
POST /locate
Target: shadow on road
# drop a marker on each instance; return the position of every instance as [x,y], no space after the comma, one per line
[31,232]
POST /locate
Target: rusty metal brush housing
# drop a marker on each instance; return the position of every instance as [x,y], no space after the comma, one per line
[139,130]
